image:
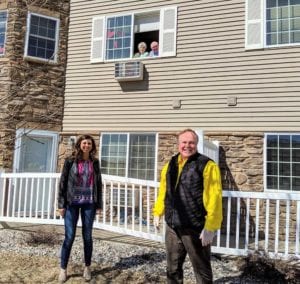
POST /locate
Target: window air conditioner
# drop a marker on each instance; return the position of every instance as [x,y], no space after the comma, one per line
[129,71]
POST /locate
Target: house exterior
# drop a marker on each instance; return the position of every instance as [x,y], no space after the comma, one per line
[228,68]
[33,42]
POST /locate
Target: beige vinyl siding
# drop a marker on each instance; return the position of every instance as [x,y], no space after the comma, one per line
[211,65]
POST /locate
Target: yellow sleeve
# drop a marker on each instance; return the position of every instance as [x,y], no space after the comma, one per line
[159,206]
[212,196]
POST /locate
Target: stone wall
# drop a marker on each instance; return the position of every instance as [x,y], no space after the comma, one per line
[241,159]
[32,91]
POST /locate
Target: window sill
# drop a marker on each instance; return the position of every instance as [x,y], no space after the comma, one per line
[40,60]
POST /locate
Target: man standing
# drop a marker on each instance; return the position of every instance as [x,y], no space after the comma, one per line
[190,197]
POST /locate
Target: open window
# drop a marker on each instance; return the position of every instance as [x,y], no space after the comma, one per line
[117,37]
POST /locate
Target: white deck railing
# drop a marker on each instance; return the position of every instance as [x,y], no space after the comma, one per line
[253,221]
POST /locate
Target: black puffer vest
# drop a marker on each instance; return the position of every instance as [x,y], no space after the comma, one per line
[184,203]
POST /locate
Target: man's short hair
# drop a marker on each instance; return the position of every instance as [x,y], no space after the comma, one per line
[188,130]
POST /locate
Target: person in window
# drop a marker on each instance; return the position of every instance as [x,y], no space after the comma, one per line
[80,192]
[154,49]
[142,47]
[190,197]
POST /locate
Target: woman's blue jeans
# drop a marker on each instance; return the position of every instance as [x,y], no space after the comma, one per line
[87,213]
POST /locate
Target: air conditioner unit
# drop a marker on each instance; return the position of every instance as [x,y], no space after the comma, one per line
[129,71]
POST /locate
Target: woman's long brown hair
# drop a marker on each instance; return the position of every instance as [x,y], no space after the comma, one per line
[77,153]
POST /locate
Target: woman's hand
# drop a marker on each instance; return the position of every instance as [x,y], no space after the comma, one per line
[98,211]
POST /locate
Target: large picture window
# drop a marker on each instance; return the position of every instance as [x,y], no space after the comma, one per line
[118,36]
[3,19]
[42,37]
[129,155]
[282,162]
[272,23]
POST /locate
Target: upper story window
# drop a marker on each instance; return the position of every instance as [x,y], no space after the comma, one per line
[282,22]
[133,35]
[129,155]
[282,162]
[3,19]
[272,23]
[42,37]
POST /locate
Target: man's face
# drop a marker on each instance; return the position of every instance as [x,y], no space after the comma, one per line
[187,145]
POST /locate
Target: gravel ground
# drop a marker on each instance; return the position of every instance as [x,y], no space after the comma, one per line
[28,257]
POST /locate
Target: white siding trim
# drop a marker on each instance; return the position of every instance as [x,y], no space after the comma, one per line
[254,24]
[97,39]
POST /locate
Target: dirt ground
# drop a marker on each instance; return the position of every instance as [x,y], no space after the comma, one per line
[18,268]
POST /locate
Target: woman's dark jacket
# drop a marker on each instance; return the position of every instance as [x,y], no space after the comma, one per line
[65,193]
[184,199]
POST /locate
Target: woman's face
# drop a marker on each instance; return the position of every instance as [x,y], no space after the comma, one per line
[86,145]
[142,49]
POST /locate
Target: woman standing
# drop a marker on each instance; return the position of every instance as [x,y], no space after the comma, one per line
[80,192]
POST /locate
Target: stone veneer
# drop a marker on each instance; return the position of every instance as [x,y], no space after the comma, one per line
[31,91]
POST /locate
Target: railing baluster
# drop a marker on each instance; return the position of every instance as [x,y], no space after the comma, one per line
[267,225]
[133,205]
[9,198]
[297,252]
[148,208]
[257,224]
[55,206]
[276,227]
[141,208]
[118,205]
[43,198]
[104,195]
[25,197]
[287,227]
[3,188]
[228,222]
[111,202]
[238,218]
[247,224]
[49,197]
[19,188]
[126,205]
[31,197]
[37,196]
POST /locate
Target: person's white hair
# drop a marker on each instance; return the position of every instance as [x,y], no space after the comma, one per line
[142,44]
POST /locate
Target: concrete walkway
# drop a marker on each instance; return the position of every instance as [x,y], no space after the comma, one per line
[97,234]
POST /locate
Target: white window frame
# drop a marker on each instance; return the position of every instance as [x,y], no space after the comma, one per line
[128,150]
[265,163]
[256,26]
[40,133]
[5,35]
[54,60]
[166,29]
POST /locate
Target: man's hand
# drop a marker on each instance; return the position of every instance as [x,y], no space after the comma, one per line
[62,212]
[156,222]
[206,237]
